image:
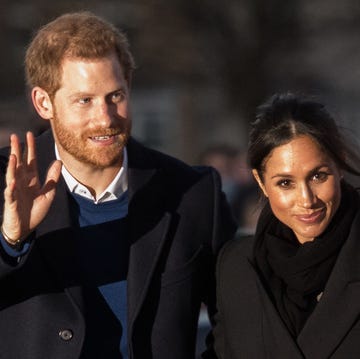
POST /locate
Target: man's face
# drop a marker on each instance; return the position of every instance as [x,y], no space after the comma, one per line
[91,116]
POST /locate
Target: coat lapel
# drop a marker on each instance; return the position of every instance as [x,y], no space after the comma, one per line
[149,223]
[58,245]
[58,217]
[339,306]
[49,233]
[276,337]
[144,255]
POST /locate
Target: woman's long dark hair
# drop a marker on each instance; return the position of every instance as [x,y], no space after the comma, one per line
[286,116]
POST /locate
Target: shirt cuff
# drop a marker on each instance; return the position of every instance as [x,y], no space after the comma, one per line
[12,251]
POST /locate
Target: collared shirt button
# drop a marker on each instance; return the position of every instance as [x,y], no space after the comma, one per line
[66,334]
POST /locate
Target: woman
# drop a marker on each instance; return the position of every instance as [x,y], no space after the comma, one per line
[293,289]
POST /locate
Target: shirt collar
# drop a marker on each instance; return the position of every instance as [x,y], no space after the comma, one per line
[116,188]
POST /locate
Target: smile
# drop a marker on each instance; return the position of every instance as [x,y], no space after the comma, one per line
[105,139]
[312,217]
[100,138]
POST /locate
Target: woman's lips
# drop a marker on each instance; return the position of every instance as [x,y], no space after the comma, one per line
[312,217]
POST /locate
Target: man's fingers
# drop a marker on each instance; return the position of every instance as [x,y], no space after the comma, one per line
[9,191]
[30,150]
[10,179]
[52,178]
[11,169]
[28,156]
[15,148]
[54,171]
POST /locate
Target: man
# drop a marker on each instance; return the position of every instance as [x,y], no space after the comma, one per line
[107,247]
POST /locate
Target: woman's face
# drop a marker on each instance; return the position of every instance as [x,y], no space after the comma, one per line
[302,184]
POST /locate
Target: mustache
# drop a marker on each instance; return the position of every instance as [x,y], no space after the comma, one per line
[100,131]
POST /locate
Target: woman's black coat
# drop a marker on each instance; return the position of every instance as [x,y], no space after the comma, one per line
[249,326]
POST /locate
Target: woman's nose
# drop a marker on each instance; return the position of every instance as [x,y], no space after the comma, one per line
[306,196]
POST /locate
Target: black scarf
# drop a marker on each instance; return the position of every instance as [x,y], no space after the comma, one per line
[296,274]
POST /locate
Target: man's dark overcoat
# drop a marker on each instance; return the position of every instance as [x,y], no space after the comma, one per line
[178,219]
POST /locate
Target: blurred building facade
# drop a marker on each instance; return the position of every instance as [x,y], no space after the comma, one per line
[203,67]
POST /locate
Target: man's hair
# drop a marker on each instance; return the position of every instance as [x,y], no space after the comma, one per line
[81,35]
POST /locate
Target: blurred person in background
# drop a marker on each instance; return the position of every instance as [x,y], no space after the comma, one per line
[107,247]
[222,157]
[292,290]
[238,183]
[245,202]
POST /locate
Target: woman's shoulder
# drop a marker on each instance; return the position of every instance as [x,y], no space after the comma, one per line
[239,243]
[234,251]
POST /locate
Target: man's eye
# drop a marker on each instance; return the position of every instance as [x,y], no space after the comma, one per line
[84,100]
[118,97]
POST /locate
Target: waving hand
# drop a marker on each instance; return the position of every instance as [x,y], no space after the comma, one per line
[26,201]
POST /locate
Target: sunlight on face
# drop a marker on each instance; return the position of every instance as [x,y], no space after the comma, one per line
[91,121]
[302,184]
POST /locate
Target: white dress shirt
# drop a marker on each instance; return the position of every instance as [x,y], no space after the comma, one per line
[115,189]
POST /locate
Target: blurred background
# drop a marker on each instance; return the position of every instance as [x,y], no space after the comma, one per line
[202,68]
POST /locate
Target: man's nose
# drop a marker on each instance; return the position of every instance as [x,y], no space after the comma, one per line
[104,114]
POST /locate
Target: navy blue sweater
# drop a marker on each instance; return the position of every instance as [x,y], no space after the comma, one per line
[103,245]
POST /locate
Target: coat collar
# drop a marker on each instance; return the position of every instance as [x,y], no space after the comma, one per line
[336,312]
[140,162]
[148,223]
[339,306]
[276,337]
[141,165]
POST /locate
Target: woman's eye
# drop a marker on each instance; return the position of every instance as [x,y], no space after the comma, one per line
[285,183]
[320,177]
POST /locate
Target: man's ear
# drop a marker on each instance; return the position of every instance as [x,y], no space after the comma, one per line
[259,181]
[42,103]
